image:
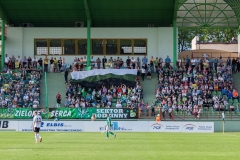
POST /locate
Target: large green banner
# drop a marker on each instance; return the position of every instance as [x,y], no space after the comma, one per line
[70,113]
[86,113]
[6,113]
[27,113]
[63,113]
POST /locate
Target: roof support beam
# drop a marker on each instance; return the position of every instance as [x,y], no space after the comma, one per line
[87,10]
[3,16]
[175,9]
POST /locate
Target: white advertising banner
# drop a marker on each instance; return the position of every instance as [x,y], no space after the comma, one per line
[8,125]
[198,127]
[93,126]
[165,126]
[53,126]
[117,126]
[121,126]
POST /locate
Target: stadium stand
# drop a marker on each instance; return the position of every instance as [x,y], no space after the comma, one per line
[197,86]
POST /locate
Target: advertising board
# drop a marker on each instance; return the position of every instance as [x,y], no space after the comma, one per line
[117,126]
[7,125]
[198,127]
[164,126]
[53,126]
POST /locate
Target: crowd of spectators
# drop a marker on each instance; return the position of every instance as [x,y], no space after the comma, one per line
[20,84]
[196,84]
[103,97]
[188,87]
[118,63]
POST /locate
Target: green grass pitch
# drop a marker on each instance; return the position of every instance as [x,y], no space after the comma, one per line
[127,146]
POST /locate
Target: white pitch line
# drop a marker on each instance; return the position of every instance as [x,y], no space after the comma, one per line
[232,135]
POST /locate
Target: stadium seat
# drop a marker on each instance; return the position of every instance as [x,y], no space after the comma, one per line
[124,105]
[219,93]
[214,93]
[113,105]
[235,101]
[114,100]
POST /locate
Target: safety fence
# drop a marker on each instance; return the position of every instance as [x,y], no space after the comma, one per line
[150,113]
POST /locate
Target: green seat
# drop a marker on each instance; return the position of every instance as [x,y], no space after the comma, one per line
[124,105]
[179,113]
[230,101]
[214,93]
[175,112]
[235,101]
[113,105]
[114,100]
[219,93]
[185,113]
[211,110]
[238,113]
[215,113]
[227,113]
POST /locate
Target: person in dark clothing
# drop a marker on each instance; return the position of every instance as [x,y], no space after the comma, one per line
[128,61]
[66,76]
[206,104]
[104,60]
[234,62]
[143,73]
[59,64]
[238,65]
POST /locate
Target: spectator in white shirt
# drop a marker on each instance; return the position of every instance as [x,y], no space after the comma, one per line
[25,97]
[133,61]
[193,61]
[35,61]
[35,105]
[6,59]
[118,105]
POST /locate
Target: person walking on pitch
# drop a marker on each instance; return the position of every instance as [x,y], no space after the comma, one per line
[108,127]
[37,120]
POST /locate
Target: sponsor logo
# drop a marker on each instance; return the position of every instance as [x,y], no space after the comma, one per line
[113,113]
[115,127]
[157,126]
[4,124]
[205,128]
[54,125]
[61,113]
[189,127]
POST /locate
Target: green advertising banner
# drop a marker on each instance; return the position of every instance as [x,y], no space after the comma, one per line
[27,113]
[6,113]
[117,113]
[63,113]
[70,113]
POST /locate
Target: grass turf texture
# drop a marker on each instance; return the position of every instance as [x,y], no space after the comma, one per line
[127,146]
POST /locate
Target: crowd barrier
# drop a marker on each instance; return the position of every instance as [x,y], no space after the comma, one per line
[117,126]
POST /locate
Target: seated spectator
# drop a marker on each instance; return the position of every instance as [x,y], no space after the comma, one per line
[230,95]
[232,108]
[158,118]
[235,94]
[224,91]
[118,105]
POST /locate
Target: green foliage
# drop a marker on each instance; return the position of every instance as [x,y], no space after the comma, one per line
[185,36]
[127,146]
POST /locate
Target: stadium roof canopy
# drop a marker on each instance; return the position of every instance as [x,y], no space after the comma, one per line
[121,13]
